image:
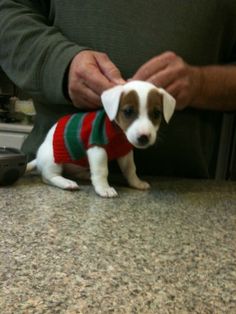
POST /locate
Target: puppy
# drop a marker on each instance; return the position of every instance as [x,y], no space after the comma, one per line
[131,118]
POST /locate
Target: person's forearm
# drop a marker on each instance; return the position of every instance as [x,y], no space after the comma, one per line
[217,90]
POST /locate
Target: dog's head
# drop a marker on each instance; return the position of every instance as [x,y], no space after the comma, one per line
[137,108]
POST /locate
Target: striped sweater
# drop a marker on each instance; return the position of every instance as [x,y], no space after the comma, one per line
[75,133]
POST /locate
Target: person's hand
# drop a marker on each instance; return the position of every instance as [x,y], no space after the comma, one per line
[90,73]
[170,72]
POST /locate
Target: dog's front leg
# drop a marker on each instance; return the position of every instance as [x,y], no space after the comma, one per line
[98,163]
[128,169]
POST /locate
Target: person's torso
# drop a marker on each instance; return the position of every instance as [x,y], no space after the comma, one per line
[131,32]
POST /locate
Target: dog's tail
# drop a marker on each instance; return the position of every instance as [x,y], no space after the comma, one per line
[32,165]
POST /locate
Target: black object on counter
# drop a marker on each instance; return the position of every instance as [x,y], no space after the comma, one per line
[12,165]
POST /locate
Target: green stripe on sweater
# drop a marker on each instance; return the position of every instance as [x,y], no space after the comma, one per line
[72,138]
[98,135]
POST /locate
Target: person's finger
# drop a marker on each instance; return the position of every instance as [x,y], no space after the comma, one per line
[163,78]
[95,79]
[109,69]
[180,94]
[154,65]
[81,96]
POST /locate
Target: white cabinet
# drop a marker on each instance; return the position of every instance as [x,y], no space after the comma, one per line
[13,135]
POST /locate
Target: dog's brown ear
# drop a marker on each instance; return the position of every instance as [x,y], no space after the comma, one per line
[111,99]
[169,103]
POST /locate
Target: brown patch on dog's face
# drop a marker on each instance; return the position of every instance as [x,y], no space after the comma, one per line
[154,106]
[128,109]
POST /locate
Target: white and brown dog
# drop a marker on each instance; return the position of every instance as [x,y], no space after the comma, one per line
[133,111]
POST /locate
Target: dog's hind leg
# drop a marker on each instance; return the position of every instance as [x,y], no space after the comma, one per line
[51,174]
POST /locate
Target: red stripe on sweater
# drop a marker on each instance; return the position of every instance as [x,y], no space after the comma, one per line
[119,145]
[60,151]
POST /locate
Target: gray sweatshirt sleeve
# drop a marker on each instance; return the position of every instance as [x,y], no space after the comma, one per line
[33,53]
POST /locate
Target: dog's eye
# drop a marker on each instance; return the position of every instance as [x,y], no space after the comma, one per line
[129,112]
[156,114]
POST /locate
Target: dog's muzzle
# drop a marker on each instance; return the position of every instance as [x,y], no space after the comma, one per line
[143,140]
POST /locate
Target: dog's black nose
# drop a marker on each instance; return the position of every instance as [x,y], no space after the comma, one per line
[143,140]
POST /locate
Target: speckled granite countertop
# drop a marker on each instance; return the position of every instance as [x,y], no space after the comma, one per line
[169,250]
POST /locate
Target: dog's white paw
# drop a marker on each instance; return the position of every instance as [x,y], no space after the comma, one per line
[62,183]
[71,185]
[140,185]
[106,192]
